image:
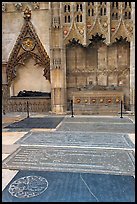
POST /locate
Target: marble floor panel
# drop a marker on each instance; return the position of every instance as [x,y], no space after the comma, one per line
[77,138]
[39,186]
[97,127]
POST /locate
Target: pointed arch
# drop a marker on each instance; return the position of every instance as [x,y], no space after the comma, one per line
[27,45]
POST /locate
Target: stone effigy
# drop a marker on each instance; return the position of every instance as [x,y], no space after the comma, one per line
[25,93]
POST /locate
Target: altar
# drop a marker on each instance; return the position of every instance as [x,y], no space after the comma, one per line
[97,102]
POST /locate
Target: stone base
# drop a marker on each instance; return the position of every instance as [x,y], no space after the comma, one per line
[36,104]
[58,109]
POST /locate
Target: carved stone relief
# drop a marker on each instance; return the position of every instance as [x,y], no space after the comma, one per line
[56,22]
[99,21]
[120,25]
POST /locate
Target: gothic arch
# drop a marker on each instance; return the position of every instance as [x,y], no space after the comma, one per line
[27,45]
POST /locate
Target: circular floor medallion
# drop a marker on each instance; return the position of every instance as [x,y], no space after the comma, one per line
[28,186]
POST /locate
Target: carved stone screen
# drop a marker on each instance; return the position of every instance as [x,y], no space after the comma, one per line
[98,66]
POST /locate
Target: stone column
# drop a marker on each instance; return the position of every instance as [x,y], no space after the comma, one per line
[85,22]
[12,90]
[57,62]
[5,88]
[109,23]
[132,62]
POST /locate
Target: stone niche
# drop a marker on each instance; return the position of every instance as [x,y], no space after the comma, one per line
[97,102]
[30,77]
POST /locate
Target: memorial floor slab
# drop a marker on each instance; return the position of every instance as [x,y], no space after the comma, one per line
[74,159]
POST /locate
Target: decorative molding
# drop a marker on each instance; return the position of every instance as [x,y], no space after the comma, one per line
[35,5]
[56,22]
[19,6]
[4,7]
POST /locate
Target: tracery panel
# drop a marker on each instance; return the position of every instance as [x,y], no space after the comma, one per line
[79,12]
[67,12]
[126,10]
[115,6]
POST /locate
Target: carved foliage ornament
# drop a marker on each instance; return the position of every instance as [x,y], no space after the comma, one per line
[121,40]
[96,39]
[27,14]
[74,42]
[18,6]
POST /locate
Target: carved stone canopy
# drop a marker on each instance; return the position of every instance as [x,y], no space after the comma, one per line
[27,45]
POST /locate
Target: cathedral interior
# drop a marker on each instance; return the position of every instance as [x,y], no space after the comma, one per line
[56,52]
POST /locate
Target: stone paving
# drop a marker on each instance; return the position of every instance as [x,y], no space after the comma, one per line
[86,145]
[97,119]
[97,127]
[46,122]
